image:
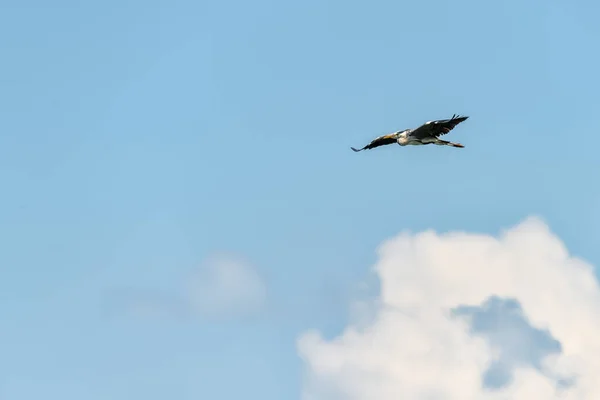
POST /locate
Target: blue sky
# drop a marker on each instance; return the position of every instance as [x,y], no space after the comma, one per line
[137,139]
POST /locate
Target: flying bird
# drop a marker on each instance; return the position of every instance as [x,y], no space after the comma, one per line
[428,133]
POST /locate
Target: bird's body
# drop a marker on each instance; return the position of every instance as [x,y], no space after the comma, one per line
[428,133]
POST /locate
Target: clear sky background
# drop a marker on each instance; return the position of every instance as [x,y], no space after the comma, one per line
[139,140]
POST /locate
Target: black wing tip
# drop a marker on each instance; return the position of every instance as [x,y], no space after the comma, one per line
[459,117]
[356,150]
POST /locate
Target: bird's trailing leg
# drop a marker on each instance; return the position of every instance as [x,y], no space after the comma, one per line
[441,142]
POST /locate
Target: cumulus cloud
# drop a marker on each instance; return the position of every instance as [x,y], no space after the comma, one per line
[464,316]
[222,286]
[507,330]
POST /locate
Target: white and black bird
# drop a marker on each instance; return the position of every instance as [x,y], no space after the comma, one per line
[428,133]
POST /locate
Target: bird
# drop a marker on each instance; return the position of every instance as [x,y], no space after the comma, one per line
[428,133]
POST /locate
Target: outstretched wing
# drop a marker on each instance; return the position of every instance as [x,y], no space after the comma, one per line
[380,141]
[437,128]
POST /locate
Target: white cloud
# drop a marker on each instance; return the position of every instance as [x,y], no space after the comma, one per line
[221,287]
[414,348]
[224,286]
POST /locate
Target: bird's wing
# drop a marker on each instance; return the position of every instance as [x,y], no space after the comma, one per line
[437,128]
[380,141]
